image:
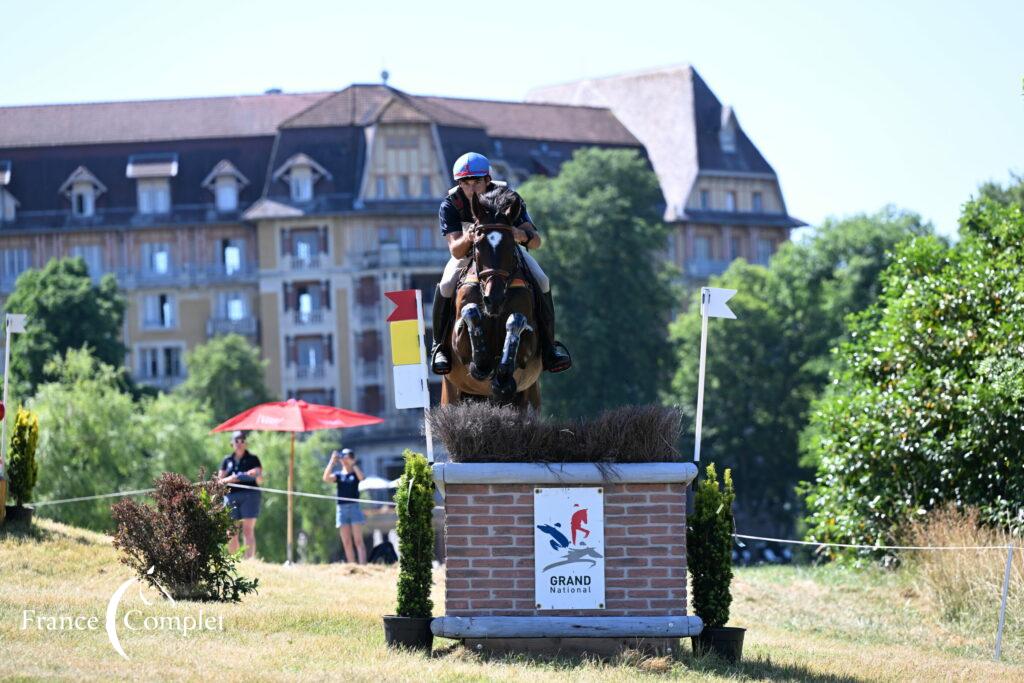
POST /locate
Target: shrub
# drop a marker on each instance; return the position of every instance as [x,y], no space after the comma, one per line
[23,467]
[415,499]
[183,540]
[709,549]
[483,432]
[965,585]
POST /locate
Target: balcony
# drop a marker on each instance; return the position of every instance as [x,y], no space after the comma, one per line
[706,267]
[308,317]
[219,272]
[391,256]
[165,383]
[218,326]
[368,317]
[293,262]
[318,371]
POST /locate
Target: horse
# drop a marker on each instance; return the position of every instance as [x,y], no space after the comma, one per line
[495,349]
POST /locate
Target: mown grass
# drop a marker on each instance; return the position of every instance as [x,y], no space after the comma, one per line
[323,622]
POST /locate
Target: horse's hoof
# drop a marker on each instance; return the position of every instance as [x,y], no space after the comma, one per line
[479,374]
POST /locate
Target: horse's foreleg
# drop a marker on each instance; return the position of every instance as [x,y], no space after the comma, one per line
[503,385]
[473,319]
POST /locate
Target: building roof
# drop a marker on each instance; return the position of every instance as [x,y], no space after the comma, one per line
[675,115]
[55,125]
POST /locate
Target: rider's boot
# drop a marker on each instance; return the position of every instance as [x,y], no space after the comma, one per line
[440,354]
[556,357]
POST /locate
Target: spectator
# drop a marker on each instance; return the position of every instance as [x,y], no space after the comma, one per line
[242,467]
[343,470]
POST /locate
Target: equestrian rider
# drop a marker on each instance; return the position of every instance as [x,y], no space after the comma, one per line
[472,173]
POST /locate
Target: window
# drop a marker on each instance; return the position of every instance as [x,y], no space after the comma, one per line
[8,206]
[225,190]
[83,200]
[764,251]
[730,201]
[231,252]
[367,291]
[149,363]
[403,187]
[371,399]
[154,196]
[92,254]
[158,311]
[382,187]
[735,247]
[15,262]
[231,306]
[756,203]
[306,245]
[369,346]
[426,186]
[702,248]
[705,200]
[156,362]
[300,180]
[310,353]
[172,361]
[156,258]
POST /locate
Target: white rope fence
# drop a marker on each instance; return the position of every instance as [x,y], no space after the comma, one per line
[141,492]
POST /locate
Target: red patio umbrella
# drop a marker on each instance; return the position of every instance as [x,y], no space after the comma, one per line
[294,416]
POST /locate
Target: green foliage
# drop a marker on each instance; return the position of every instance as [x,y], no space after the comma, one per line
[602,230]
[926,407]
[415,503]
[228,374]
[709,548]
[64,310]
[180,544]
[1011,194]
[766,367]
[23,468]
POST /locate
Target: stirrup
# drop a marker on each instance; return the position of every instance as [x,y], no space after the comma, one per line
[557,358]
[439,362]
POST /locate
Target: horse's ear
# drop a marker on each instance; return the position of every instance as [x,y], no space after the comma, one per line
[513,210]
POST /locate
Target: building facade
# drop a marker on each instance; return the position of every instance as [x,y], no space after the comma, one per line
[285,217]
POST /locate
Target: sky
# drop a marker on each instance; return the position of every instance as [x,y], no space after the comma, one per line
[855,105]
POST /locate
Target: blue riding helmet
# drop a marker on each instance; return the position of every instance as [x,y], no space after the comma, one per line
[471,165]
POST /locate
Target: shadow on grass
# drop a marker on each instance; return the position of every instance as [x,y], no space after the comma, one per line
[23,530]
[759,669]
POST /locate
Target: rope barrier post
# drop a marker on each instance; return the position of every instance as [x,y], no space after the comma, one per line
[291,487]
[1002,604]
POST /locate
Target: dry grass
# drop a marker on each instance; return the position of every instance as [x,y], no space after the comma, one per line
[482,432]
[964,586]
[321,622]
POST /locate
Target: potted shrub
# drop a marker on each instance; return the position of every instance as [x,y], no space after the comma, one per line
[410,627]
[709,556]
[22,468]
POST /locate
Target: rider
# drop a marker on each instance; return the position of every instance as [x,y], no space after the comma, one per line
[472,173]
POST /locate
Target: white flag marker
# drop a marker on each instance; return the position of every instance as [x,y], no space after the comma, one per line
[712,305]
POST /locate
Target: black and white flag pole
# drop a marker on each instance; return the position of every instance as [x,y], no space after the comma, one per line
[712,305]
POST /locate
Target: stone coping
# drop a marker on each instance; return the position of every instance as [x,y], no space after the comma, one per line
[680,626]
[563,473]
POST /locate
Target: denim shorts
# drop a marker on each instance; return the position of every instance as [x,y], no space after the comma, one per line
[349,513]
[243,505]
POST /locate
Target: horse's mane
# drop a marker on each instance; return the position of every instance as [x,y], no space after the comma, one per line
[498,200]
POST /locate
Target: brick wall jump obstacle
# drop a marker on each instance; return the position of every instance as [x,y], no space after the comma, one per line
[492,537]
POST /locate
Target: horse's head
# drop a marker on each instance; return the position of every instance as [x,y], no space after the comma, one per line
[494,244]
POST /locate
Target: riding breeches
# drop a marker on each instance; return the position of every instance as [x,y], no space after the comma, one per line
[449,279]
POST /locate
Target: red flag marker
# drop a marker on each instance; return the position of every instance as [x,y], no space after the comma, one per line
[405,305]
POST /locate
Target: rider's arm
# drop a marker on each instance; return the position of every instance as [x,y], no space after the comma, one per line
[459,243]
[526,224]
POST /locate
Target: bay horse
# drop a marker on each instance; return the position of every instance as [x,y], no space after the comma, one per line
[495,349]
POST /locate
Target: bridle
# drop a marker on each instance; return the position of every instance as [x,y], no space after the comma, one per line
[484,276]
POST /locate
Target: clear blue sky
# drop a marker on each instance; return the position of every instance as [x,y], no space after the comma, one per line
[855,104]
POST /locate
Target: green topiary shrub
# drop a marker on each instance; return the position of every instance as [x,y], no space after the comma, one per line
[181,544]
[415,499]
[23,468]
[709,548]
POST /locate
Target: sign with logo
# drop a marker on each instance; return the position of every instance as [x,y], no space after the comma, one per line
[568,542]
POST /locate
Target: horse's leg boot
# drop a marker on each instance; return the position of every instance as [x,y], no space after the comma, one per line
[441,315]
[556,357]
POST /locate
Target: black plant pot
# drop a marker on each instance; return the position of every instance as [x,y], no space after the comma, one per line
[19,513]
[724,641]
[409,632]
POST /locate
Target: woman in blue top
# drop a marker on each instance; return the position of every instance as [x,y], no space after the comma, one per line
[242,467]
[343,470]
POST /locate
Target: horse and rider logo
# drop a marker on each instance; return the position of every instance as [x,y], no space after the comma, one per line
[576,552]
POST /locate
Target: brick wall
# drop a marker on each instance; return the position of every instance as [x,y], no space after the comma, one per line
[489,537]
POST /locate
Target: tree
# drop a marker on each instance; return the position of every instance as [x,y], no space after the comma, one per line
[1011,194]
[24,469]
[764,369]
[603,236]
[926,404]
[227,374]
[64,310]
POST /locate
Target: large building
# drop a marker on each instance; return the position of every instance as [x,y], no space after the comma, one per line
[284,217]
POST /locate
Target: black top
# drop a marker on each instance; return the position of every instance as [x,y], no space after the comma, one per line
[451,219]
[231,466]
[348,486]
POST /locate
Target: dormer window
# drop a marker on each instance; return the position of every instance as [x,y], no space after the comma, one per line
[730,201]
[82,188]
[8,204]
[727,131]
[153,173]
[301,173]
[225,181]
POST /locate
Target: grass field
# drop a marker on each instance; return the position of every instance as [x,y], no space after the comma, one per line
[323,622]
